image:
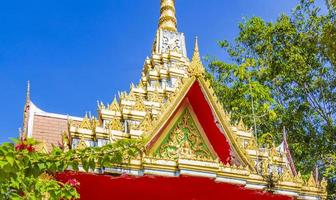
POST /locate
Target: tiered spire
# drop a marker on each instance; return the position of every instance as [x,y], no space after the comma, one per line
[168,16]
[196,66]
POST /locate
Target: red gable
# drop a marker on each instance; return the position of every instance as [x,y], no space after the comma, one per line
[205,117]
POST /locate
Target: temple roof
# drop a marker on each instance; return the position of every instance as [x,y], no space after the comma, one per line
[175,109]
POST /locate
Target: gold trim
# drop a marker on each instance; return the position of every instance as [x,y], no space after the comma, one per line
[185,105]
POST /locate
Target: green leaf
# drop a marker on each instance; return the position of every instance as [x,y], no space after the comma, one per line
[10,160]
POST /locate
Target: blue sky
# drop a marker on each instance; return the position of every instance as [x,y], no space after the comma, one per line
[76,52]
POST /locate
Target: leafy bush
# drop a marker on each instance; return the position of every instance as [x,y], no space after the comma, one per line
[28,174]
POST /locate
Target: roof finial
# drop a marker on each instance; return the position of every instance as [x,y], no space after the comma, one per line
[24,132]
[196,66]
[28,92]
[168,16]
[196,50]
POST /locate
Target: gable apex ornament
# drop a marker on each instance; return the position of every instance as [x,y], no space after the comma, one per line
[196,66]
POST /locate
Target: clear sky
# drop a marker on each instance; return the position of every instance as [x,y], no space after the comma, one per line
[76,52]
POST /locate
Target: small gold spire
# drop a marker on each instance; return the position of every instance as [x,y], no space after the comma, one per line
[24,132]
[28,92]
[196,66]
[168,16]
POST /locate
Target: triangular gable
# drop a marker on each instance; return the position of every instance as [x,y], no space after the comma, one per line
[184,138]
[217,132]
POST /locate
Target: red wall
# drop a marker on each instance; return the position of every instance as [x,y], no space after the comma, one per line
[160,188]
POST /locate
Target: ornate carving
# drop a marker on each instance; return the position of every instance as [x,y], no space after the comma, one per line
[241,126]
[171,42]
[114,106]
[128,97]
[252,144]
[115,124]
[86,123]
[286,175]
[311,181]
[82,144]
[298,179]
[324,184]
[139,105]
[196,67]
[155,97]
[147,123]
[184,141]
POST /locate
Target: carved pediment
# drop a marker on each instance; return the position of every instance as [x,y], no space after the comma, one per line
[184,140]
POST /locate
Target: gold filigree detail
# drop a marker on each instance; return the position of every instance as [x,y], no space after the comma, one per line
[155,96]
[114,106]
[324,184]
[141,85]
[115,124]
[252,144]
[196,67]
[184,141]
[311,181]
[298,178]
[139,105]
[86,123]
[147,123]
[128,97]
[241,125]
[286,176]
[82,144]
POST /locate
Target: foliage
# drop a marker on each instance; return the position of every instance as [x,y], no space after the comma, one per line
[283,73]
[28,174]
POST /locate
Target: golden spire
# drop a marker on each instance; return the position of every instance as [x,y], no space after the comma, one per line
[196,67]
[167,16]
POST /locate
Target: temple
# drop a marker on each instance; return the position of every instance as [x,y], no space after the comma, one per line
[192,146]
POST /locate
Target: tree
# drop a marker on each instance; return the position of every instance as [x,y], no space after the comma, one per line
[284,74]
[28,174]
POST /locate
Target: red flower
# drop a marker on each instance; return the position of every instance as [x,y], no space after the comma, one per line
[20,147]
[73,182]
[30,148]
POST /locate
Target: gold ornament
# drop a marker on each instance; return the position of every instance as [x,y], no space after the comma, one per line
[82,144]
[139,105]
[241,126]
[147,123]
[311,181]
[116,125]
[167,16]
[114,106]
[86,123]
[184,141]
[196,67]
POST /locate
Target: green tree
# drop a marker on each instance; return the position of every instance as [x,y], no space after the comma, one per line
[28,174]
[284,74]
